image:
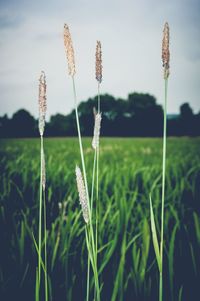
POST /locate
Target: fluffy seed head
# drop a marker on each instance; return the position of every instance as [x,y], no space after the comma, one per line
[98,62]
[43,172]
[165,50]
[69,50]
[82,194]
[42,102]
[94,112]
[97,126]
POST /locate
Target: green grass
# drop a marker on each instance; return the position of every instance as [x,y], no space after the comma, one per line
[130,169]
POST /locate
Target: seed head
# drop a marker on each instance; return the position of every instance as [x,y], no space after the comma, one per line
[94,112]
[98,62]
[42,102]
[97,126]
[43,171]
[69,51]
[165,50]
[82,194]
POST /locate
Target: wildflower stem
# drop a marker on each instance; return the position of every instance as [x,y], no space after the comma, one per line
[80,142]
[40,213]
[45,249]
[88,199]
[92,200]
[97,187]
[93,180]
[163,190]
[88,279]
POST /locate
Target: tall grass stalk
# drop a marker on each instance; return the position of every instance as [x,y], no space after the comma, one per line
[163,192]
[45,248]
[165,58]
[42,114]
[98,65]
[91,201]
[80,140]
[40,214]
[159,247]
[89,228]
[95,144]
[97,184]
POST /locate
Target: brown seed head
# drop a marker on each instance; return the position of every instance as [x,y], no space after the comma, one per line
[165,50]
[42,102]
[69,51]
[98,62]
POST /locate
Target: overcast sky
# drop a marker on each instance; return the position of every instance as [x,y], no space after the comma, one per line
[130,32]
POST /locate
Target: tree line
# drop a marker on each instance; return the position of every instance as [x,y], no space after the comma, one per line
[137,116]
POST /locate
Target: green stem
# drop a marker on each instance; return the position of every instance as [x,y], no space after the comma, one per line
[80,143]
[45,249]
[40,214]
[87,193]
[160,287]
[163,192]
[98,109]
[97,183]
[88,279]
[92,200]
[93,180]
[36,286]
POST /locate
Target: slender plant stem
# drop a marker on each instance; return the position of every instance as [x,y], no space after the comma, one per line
[40,214]
[98,98]
[87,194]
[160,286]
[80,142]
[97,183]
[92,199]
[88,279]
[45,249]
[93,180]
[36,286]
[163,192]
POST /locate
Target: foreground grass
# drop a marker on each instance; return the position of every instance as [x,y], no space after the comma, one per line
[130,169]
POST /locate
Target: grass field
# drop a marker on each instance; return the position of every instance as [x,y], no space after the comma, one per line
[130,170]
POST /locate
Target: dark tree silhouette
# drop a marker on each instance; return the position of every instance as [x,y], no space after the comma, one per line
[5,126]
[139,115]
[22,124]
[186,119]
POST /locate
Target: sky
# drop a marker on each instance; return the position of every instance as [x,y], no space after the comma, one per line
[31,40]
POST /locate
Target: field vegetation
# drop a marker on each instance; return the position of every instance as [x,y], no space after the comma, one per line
[130,170]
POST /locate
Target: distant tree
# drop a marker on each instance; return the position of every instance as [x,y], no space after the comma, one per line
[196,129]
[5,126]
[147,116]
[57,125]
[139,115]
[186,120]
[110,108]
[23,124]
[62,125]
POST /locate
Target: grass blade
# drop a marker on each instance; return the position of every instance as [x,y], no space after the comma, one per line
[154,236]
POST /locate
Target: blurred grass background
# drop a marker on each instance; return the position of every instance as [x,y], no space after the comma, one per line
[130,169]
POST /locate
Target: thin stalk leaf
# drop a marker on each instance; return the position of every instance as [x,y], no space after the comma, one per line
[154,236]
